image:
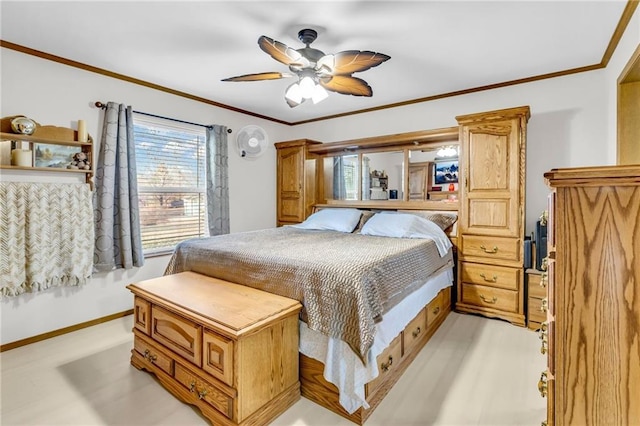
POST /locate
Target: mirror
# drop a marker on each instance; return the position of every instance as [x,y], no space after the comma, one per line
[433,173]
[383,175]
[341,177]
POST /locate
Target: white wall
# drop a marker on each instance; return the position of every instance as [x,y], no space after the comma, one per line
[55,94]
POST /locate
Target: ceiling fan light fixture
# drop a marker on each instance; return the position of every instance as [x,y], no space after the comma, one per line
[317,72]
[306,87]
[447,151]
[294,93]
[319,94]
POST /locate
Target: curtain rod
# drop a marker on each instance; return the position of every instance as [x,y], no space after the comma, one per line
[103,106]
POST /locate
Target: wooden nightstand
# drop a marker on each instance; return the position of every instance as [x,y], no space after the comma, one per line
[535,294]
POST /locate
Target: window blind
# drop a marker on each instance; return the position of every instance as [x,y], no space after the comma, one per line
[171,182]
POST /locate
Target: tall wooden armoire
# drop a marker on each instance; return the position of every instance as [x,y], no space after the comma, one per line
[491,225]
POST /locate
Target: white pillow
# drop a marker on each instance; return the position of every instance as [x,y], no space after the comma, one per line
[400,225]
[341,220]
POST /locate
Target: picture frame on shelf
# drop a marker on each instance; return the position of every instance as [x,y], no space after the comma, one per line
[446,172]
[53,156]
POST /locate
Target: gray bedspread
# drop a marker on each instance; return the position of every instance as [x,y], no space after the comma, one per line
[345,282]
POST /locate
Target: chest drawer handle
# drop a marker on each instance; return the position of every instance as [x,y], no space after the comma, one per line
[385,365]
[542,384]
[192,386]
[544,336]
[493,250]
[487,300]
[545,304]
[436,311]
[150,357]
[416,332]
[202,394]
[543,279]
[493,280]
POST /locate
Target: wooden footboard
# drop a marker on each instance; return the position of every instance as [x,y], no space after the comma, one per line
[392,362]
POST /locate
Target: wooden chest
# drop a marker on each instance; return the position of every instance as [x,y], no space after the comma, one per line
[230,350]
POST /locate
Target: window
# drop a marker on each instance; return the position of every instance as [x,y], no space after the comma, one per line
[171,182]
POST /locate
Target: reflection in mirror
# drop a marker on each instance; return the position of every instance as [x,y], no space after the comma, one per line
[422,173]
[341,174]
[382,176]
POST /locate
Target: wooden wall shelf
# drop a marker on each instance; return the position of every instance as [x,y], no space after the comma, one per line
[50,135]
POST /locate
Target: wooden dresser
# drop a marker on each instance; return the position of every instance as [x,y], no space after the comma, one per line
[536,293]
[592,334]
[230,350]
[491,225]
[298,181]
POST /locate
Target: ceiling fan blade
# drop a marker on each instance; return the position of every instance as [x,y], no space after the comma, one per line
[351,61]
[281,52]
[347,85]
[259,77]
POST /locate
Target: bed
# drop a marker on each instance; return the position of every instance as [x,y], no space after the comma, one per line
[362,279]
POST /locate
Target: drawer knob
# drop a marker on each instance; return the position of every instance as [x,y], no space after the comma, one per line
[192,386]
[542,384]
[544,336]
[492,280]
[436,311]
[416,332]
[385,365]
[147,355]
[202,394]
[487,300]
[486,250]
[545,304]
[544,279]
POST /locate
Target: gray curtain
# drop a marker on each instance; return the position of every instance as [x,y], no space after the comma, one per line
[117,218]
[339,183]
[217,166]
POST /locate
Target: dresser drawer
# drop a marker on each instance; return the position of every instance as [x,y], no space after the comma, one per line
[414,331]
[491,247]
[492,276]
[534,310]
[152,355]
[490,297]
[218,356]
[387,362]
[534,287]
[204,391]
[436,308]
[177,333]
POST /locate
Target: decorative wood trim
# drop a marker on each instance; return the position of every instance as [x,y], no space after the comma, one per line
[627,13]
[613,44]
[399,204]
[631,71]
[90,68]
[65,330]
[398,141]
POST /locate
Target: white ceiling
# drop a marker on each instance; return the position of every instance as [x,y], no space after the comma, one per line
[436,47]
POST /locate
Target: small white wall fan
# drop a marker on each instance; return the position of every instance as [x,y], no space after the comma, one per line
[251,141]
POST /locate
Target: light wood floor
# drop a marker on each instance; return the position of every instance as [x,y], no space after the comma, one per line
[474,371]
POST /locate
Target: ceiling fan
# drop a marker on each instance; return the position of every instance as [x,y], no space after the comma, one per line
[317,72]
